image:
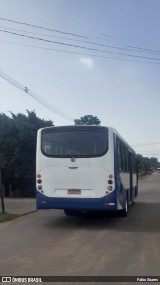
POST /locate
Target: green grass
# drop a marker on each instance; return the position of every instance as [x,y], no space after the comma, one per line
[4,217]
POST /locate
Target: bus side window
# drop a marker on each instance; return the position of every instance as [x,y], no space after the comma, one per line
[134,164]
[122,156]
[131,162]
[125,159]
[119,155]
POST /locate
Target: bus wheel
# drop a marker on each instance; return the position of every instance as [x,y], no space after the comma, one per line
[132,202]
[71,212]
[124,212]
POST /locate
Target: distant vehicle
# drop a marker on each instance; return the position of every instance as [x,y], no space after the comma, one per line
[83,168]
[158,170]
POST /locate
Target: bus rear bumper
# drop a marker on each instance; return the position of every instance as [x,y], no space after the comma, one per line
[105,203]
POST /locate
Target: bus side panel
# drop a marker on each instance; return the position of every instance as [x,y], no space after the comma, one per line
[118,193]
[121,180]
[126,183]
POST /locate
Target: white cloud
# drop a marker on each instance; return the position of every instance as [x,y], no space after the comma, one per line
[87,61]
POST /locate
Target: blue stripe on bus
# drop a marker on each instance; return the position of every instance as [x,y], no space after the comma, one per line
[105,203]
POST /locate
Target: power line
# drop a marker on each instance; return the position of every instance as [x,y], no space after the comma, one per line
[34,96]
[88,42]
[81,36]
[74,52]
[81,47]
[78,53]
[69,39]
[81,41]
[44,28]
[151,154]
[146,144]
[134,47]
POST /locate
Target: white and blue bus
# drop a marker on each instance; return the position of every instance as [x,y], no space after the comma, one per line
[81,168]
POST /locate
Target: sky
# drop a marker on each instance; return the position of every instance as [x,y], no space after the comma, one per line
[90,57]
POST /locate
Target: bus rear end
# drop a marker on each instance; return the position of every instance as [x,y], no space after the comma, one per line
[75,167]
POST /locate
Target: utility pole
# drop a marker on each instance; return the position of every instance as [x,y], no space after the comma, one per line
[1,194]
[2,165]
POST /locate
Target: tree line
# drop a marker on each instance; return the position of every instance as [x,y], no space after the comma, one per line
[18,151]
[18,148]
[147,165]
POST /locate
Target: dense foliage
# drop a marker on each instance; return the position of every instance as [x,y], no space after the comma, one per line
[146,165]
[87,120]
[18,146]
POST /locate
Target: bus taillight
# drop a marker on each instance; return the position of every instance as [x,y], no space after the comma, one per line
[109,183]
[110,175]
[39,182]
[110,179]
[39,187]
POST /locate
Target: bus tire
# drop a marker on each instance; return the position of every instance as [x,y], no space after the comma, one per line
[132,200]
[124,212]
[136,191]
[71,212]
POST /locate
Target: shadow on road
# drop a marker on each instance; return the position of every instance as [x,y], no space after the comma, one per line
[142,217]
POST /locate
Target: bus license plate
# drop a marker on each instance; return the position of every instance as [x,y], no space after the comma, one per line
[74,191]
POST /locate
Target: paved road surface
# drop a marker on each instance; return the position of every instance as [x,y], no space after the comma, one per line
[19,205]
[49,243]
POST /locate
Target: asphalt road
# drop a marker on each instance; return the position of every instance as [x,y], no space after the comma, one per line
[19,205]
[49,243]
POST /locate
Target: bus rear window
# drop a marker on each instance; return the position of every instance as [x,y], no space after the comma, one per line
[75,143]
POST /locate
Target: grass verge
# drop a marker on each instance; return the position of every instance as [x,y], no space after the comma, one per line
[4,217]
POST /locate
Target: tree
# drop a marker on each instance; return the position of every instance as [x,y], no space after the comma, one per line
[18,145]
[153,162]
[146,164]
[87,120]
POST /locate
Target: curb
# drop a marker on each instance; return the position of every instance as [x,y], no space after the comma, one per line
[27,213]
